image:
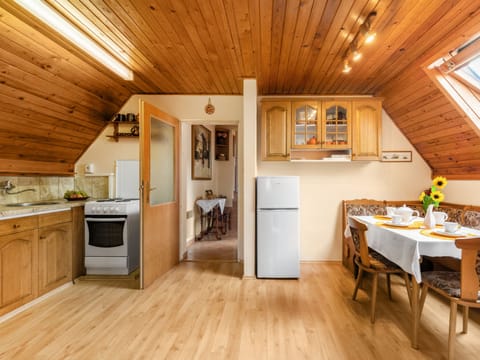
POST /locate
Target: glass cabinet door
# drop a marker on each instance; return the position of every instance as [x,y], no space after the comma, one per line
[306,125]
[336,125]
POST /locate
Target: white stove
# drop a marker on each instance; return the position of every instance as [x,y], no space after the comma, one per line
[112,236]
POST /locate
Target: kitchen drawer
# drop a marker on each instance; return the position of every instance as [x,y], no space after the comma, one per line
[55,218]
[12,226]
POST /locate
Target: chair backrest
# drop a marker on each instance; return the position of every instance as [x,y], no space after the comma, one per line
[470,268]
[359,237]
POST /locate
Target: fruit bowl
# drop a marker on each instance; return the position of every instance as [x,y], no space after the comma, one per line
[77,198]
[75,195]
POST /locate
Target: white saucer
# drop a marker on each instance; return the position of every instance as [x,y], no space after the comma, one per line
[449,234]
[399,225]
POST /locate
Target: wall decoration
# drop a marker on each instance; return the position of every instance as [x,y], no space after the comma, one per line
[201,163]
[396,156]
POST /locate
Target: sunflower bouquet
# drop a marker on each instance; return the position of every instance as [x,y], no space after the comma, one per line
[433,195]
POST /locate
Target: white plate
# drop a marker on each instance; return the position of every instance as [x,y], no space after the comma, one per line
[448,234]
[399,225]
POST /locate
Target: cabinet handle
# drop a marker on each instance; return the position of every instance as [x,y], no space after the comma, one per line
[16,226]
[43,237]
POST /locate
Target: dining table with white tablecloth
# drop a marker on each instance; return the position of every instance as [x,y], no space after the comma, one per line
[211,211]
[406,245]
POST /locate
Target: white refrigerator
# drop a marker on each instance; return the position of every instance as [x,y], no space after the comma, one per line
[278,230]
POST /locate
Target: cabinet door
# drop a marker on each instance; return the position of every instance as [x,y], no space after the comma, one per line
[276,130]
[18,269]
[78,241]
[55,256]
[306,128]
[336,123]
[367,129]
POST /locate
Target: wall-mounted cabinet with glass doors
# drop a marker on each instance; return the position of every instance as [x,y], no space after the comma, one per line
[321,124]
[315,129]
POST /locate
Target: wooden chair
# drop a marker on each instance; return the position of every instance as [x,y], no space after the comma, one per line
[461,288]
[374,263]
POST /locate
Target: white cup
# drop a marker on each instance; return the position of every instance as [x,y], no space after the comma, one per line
[451,226]
[396,219]
[440,217]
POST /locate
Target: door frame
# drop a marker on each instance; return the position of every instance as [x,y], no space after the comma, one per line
[185,167]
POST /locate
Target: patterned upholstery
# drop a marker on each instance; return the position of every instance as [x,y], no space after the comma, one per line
[365,210]
[447,281]
[471,218]
[454,214]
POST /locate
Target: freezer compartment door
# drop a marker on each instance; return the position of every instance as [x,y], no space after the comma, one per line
[278,192]
[278,248]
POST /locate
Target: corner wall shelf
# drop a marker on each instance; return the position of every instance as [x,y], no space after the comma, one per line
[134,130]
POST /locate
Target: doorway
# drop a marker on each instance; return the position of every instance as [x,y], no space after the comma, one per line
[214,245]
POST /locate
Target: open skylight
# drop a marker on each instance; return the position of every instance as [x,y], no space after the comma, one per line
[458,75]
[470,72]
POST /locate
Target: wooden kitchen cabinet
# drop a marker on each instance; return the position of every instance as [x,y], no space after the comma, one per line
[367,129]
[276,130]
[18,262]
[54,250]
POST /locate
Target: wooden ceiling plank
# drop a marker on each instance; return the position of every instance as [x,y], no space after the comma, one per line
[435,27]
[316,41]
[37,104]
[60,54]
[136,60]
[315,23]
[265,46]
[333,59]
[26,167]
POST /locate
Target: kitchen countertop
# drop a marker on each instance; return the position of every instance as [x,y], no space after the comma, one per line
[10,212]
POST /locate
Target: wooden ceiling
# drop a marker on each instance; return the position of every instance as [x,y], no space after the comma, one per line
[55,99]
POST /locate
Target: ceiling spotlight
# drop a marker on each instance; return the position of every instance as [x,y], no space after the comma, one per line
[370,37]
[346,67]
[356,55]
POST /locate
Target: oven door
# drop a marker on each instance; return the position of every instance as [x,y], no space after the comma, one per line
[106,235]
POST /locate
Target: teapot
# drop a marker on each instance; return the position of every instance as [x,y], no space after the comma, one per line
[406,213]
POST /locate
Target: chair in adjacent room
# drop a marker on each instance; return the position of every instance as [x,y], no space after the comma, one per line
[460,287]
[370,261]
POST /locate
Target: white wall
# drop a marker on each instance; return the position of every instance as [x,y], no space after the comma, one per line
[323,186]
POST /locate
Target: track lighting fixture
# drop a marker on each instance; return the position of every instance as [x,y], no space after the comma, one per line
[365,35]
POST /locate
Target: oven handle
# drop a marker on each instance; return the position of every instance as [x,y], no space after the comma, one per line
[106,219]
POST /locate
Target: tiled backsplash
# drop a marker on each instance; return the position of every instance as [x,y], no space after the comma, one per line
[52,188]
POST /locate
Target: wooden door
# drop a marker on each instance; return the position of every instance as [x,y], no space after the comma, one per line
[159,153]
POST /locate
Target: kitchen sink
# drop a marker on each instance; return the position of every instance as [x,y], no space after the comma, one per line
[34,203]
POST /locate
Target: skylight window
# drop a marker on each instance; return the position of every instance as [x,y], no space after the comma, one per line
[470,72]
[458,75]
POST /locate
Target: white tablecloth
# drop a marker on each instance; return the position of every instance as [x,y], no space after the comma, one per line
[405,247]
[208,205]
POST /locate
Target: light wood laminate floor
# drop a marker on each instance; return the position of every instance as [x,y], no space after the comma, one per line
[203,310]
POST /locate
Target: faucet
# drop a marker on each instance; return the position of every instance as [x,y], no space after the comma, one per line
[8,185]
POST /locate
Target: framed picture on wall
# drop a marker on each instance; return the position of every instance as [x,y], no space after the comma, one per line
[396,156]
[201,154]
